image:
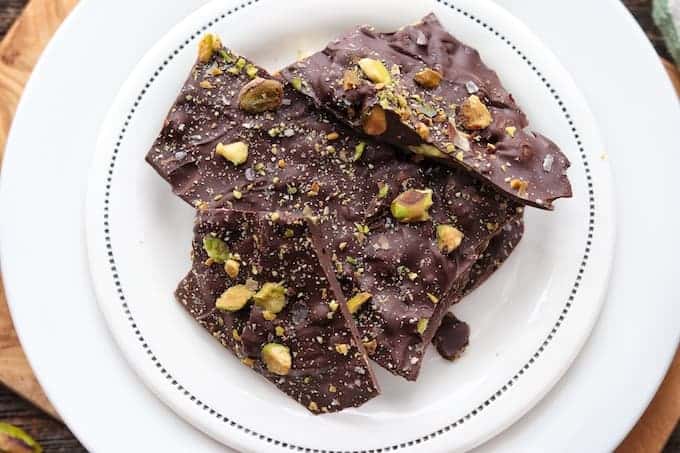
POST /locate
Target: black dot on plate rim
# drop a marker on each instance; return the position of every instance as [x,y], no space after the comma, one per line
[479,409]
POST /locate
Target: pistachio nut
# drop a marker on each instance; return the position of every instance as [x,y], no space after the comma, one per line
[449,238]
[412,206]
[236,153]
[260,95]
[234,298]
[277,358]
[271,297]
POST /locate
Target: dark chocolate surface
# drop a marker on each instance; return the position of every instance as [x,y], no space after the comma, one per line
[300,162]
[500,248]
[452,337]
[330,369]
[504,153]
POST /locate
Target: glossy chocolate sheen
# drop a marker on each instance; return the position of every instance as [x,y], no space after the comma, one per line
[300,162]
[519,163]
[330,369]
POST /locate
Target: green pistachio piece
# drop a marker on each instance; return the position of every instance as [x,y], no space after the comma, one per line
[422,325]
[375,70]
[216,249]
[428,78]
[207,47]
[449,238]
[260,95]
[251,71]
[296,82]
[234,298]
[271,297]
[383,190]
[426,150]
[412,206]
[16,440]
[359,151]
[277,358]
[357,301]
[236,153]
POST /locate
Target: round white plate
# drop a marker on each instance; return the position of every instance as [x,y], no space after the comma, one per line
[109,408]
[528,322]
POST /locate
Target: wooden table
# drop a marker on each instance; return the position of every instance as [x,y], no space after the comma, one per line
[53,435]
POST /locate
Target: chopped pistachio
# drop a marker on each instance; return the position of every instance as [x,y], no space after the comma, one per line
[289,233]
[423,131]
[313,407]
[268,315]
[428,78]
[422,325]
[434,299]
[342,348]
[271,297]
[260,95]
[519,185]
[449,238]
[375,70]
[357,301]
[412,206]
[475,114]
[247,361]
[206,84]
[237,194]
[234,298]
[359,151]
[371,346]
[207,47]
[279,331]
[511,130]
[236,153]
[426,150]
[383,190]
[332,388]
[251,71]
[375,122]
[296,83]
[333,305]
[235,335]
[412,276]
[232,267]
[332,136]
[216,249]
[277,358]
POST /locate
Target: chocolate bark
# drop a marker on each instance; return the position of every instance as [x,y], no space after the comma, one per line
[423,90]
[299,161]
[266,293]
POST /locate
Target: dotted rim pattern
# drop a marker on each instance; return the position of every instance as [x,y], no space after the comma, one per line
[234,424]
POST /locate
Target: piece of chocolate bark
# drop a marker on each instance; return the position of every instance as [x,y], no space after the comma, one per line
[426,92]
[258,286]
[453,335]
[401,235]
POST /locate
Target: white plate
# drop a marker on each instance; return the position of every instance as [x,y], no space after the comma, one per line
[53,306]
[528,322]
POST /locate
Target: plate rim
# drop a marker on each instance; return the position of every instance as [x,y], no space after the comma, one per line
[131,87]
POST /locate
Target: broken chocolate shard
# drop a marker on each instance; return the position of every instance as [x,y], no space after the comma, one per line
[452,337]
[290,325]
[426,92]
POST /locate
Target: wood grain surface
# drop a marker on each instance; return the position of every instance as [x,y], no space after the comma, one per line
[19,51]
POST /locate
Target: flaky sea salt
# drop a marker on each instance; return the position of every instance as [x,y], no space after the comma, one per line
[548,162]
[179,155]
[421,39]
[471,87]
